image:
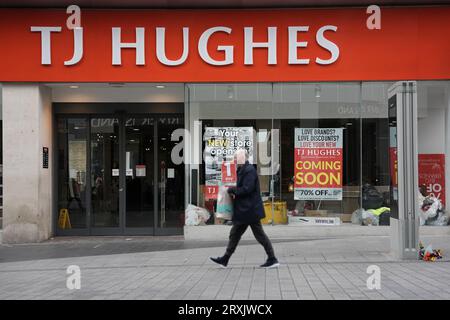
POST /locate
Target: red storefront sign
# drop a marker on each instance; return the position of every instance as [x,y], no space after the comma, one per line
[432,174]
[224,45]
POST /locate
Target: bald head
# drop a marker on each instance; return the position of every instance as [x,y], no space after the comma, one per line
[241,156]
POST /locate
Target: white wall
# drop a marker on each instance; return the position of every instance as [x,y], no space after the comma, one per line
[27,192]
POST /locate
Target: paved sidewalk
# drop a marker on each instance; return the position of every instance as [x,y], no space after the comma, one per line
[315,269]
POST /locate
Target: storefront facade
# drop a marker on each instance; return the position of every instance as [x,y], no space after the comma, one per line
[126,120]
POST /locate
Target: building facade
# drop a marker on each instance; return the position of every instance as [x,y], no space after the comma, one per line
[125,121]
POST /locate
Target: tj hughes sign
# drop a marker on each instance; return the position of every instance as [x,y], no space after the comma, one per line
[163,43]
[224,45]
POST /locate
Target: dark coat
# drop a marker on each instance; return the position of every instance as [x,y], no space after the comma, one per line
[247,205]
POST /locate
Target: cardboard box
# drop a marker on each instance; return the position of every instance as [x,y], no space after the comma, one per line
[316,213]
[314,221]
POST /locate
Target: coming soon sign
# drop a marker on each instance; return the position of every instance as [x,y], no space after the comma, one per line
[318,164]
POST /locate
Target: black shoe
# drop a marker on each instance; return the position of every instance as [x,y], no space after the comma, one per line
[270,263]
[222,261]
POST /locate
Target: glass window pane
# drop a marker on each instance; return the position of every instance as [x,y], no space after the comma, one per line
[319,179]
[433,121]
[236,115]
[72,157]
[105,172]
[378,136]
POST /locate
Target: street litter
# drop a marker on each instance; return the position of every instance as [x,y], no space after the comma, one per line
[196,215]
[428,254]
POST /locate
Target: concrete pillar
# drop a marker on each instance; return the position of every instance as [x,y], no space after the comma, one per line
[27,191]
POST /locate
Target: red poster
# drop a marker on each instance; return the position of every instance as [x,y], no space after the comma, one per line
[229,173]
[393,166]
[211,192]
[432,174]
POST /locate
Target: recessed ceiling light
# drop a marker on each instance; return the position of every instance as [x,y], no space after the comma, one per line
[160,86]
[73,87]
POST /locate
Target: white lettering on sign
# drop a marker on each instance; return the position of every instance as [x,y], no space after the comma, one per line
[228,50]
[327,44]
[46,47]
[161,47]
[117,46]
[293,45]
[203,47]
[77,47]
[271,45]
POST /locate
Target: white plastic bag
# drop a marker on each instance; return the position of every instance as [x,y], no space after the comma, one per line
[224,208]
[196,215]
[191,218]
[203,215]
[357,216]
[369,219]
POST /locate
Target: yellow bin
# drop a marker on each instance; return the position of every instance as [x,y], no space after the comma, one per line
[279,212]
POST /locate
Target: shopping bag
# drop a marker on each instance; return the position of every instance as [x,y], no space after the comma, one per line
[224,208]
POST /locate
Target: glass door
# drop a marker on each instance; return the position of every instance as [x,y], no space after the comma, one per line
[73,195]
[139,173]
[105,175]
[116,171]
[170,168]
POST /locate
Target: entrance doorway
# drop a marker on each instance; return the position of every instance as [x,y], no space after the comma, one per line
[117,176]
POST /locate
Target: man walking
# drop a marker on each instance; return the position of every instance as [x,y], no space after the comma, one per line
[248,211]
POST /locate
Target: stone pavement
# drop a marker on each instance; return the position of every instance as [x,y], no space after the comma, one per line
[311,269]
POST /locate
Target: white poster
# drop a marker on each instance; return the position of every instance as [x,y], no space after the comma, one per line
[221,144]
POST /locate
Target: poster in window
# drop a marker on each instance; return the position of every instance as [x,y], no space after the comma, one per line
[432,174]
[221,144]
[393,161]
[318,164]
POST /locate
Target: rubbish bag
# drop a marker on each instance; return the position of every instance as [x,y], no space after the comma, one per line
[357,216]
[224,209]
[431,212]
[441,220]
[191,216]
[196,215]
[369,219]
[203,215]
[371,197]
